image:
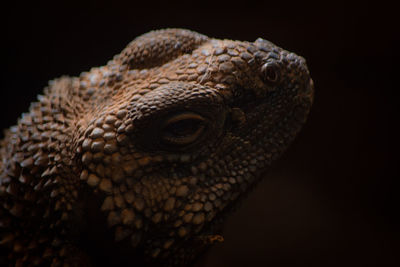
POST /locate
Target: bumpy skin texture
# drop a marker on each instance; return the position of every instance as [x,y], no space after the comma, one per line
[138,161]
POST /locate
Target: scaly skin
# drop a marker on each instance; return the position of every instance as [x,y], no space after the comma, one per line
[138,161]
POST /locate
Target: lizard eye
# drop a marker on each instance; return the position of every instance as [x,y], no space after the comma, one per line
[270,72]
[183,129]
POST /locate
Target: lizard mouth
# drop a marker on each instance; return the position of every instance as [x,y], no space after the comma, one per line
[258,116]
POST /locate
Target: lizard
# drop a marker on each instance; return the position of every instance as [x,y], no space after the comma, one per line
[139,161]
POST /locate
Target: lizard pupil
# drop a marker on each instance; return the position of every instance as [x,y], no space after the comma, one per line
[183,129]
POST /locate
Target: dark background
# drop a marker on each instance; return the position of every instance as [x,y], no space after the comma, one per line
[332,200]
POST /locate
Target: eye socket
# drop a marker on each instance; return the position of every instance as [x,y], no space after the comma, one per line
[270,72]
[183,129]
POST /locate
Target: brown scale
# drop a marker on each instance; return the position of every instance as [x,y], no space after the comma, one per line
[148,152]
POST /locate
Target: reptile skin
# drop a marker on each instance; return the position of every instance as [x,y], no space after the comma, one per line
[138,162]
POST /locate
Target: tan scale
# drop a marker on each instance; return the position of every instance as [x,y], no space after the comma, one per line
[138,161]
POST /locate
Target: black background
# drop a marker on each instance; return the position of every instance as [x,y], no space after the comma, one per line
[332,200]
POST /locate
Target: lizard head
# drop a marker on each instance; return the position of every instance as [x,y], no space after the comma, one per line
[181,127]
